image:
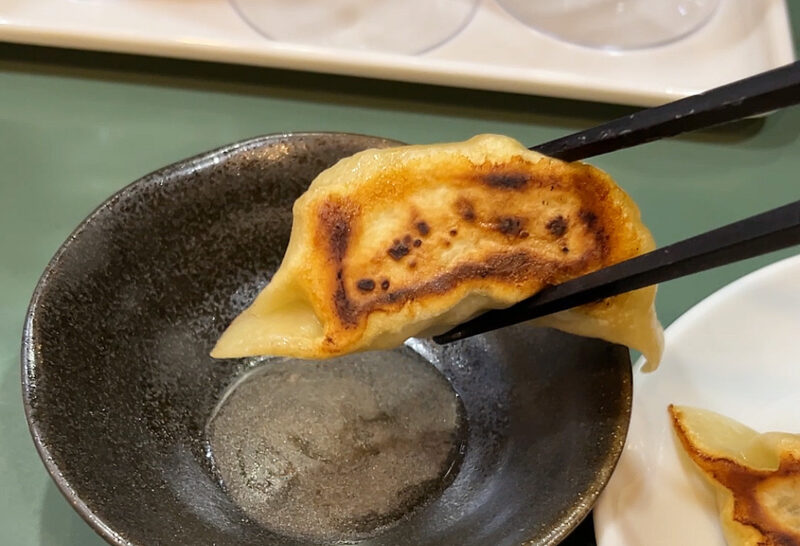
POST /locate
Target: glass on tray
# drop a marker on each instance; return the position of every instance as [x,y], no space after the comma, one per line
[396,26]
[613,24]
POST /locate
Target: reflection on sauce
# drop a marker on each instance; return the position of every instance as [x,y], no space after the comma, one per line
[337,450]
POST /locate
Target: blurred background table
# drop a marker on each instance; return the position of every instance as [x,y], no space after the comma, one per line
[76,126]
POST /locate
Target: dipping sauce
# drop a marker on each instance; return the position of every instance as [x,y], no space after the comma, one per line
[338,449]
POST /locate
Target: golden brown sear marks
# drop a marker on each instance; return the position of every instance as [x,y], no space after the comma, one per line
[589,218]
[512,267]
[398,250]
[511,225]
[335,221]
[465,209]
[508,180]
[481,209]
[515,174]
[557,226]
[393,242]
[747,485]
[366,285]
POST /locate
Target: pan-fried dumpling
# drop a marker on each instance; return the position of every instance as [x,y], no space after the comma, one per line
[756,476]
[408,241]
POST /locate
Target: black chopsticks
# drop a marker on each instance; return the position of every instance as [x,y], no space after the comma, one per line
[773,230]
[758,94]
[760,234]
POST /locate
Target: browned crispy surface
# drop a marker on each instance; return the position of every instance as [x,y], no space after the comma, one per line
[748,486]
[518,226]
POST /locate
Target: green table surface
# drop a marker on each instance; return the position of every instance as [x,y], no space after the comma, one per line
[77,126]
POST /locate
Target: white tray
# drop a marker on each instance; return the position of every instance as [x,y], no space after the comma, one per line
[494,51]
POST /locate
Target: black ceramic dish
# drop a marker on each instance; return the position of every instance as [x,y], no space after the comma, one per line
[118,384]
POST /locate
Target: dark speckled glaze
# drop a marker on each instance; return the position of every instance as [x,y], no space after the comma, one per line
[118,384]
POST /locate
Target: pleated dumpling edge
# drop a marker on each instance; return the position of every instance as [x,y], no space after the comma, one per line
[393,243]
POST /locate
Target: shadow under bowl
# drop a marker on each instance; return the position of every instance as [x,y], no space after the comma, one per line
[118,385]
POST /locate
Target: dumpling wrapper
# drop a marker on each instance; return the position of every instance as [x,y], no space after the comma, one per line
[400,242]
[756,476]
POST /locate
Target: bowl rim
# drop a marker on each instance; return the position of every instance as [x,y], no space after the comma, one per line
[570,519]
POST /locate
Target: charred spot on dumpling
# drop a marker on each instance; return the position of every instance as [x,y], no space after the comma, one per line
[453,232]
[417,242]
[423,228]
[465,209]
[412,264]
[344,307]
[407,240]
[595,226]
[524,234]
[366,285]
[510,225]
[334,220]
[557,226]
[506,180]
[385,284]
[392,297]
[335,224]
[565,249]
[513,267]
[398,249]
[588,217]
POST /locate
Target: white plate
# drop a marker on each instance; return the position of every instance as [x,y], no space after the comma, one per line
[494,51]
[736,353]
